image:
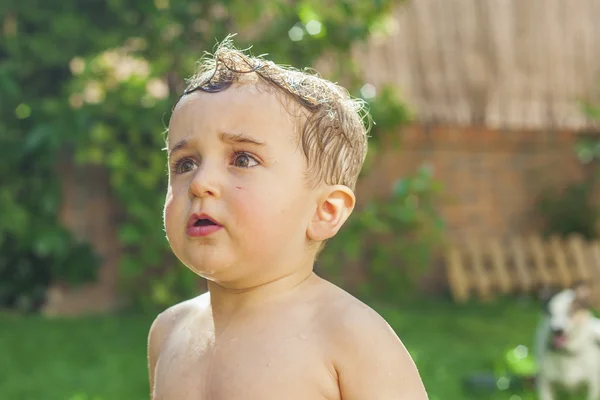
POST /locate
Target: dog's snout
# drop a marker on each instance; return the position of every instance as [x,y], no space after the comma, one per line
[558,331]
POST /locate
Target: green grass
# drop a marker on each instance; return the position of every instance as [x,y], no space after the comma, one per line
[450,342]
[105,357]
[101,357]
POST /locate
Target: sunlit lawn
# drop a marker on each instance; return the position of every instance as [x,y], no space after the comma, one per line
[105,357]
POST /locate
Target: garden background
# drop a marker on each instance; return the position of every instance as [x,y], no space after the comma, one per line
[486,126]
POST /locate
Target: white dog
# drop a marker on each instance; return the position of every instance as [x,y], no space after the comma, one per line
[568,345]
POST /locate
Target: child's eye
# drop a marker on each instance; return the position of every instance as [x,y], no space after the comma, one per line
[244,160]
[184,165]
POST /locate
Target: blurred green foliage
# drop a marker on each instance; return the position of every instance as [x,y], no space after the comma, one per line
[392,240]
[573,209]
[94,81]
[569,211]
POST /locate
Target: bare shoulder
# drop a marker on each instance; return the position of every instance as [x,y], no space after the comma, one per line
[167,320]
[350,322]
[370,359]
[165,324]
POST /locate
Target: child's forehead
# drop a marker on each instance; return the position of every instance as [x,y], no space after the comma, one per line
[250,109]
[252,103]
[247,96]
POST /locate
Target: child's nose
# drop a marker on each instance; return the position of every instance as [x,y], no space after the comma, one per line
[205,182]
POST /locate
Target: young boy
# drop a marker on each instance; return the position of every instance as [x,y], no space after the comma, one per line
[263,161]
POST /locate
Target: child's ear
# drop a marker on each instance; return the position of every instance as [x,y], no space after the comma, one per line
[334,207]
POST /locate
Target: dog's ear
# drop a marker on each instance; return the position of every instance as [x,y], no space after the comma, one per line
[545,293]
[583,293]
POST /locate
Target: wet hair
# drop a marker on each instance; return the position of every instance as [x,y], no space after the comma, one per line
[332,130]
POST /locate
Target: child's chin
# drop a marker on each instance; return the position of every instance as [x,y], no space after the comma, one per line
[209,271]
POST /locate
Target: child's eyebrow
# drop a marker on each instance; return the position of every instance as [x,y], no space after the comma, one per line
[178,146]
[225,136]
[240,138]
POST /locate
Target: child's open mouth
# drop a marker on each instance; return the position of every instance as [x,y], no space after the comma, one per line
[204,222]
[202,225]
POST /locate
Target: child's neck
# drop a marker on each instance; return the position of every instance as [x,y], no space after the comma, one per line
[226,302]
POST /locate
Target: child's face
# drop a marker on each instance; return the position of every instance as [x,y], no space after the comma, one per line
[234,158]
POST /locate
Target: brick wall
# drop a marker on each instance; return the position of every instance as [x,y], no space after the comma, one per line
[89,211]
[491,177]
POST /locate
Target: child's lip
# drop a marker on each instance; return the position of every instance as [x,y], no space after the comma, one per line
[195,217]
[202,230]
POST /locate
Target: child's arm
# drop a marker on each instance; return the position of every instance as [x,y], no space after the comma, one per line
[156,338]
[372,363]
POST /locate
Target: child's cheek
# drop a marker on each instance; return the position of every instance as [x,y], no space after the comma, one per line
[244,202]
[259,209]
[252,207]
[169,211]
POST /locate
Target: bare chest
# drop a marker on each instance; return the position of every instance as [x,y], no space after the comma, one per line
[271,365]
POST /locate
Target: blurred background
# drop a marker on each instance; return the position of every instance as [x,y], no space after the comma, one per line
[479,187]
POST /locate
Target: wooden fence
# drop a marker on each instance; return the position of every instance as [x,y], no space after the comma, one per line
[500,63]
[490,267]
